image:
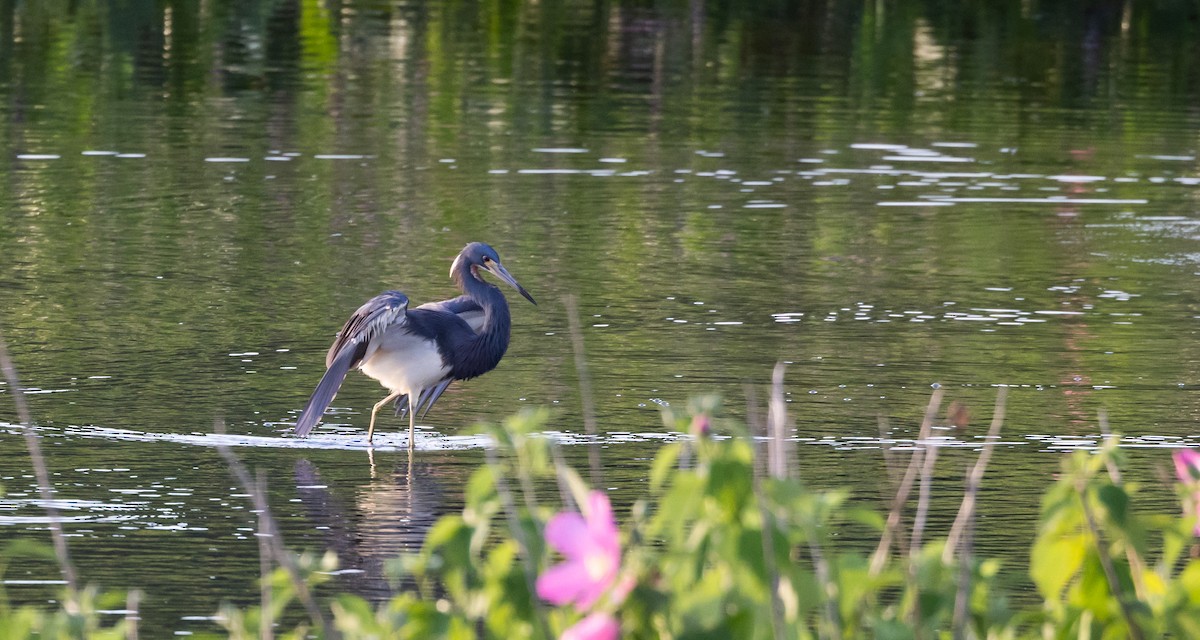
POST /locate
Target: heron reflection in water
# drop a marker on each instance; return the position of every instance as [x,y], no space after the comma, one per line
[369,521]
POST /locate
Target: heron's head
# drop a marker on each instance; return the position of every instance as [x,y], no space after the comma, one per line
[476,257]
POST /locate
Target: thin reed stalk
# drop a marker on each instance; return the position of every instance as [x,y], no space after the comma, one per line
[777,458]
[778,630]
[962,532]
[924,491]
[42,475]
[270,532]
[966,510]
[879,557]
[585,387]
[133,600]
[265,630]
[778,468]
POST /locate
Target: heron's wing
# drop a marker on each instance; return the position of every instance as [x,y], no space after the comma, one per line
[349,350]
[326,389]
[463,307]
[368,322]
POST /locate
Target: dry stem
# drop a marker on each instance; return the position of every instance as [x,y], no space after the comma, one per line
[42,474]
[585,387]
[879,558]
[270,532]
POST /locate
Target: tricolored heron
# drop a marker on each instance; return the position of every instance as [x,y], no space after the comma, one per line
[417,353]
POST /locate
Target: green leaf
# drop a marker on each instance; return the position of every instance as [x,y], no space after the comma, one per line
[1054,562]
[664,464]
[1116,502]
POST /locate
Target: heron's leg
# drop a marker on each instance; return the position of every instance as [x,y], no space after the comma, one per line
[412,427]
[379,405]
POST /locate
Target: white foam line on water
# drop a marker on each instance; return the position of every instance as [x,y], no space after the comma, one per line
[323,439]
[427,441]
[936,158]
[915,203]
[1050,200]
[1170,158]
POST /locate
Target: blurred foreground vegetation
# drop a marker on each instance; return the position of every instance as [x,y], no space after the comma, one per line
[726,543]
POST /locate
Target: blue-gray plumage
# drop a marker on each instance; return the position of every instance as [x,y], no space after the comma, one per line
[417,353]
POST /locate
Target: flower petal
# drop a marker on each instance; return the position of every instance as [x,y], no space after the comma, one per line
[562,583]
[598,626]
[1187,464]
[568,533]
[600,522]
[589,592]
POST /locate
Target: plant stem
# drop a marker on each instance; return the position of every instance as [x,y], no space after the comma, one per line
[1137,566]
[585,387]
[132,602]
[964,524]
[42,474]
[1110,572]
[266,629]
[777,454]
[271,533]
[879,558]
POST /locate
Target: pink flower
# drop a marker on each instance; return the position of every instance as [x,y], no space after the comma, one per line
[592,550]
[598,626]
[1187,469]
[1187,465]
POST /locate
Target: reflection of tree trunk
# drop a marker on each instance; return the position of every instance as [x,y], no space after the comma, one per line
[7,10]
[149,44]
[283,48]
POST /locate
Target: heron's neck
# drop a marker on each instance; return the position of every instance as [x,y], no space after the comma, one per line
[486,348]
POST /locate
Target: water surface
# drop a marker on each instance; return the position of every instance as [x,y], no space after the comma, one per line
[887,199]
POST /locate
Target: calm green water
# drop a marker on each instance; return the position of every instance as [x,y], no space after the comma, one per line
[194,198]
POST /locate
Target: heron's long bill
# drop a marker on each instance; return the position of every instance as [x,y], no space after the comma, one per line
[498,270]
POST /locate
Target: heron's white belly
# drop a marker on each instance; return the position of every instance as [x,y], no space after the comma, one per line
[407,363]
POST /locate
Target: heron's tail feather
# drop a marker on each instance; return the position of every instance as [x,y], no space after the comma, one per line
[327,388]
[431,396]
